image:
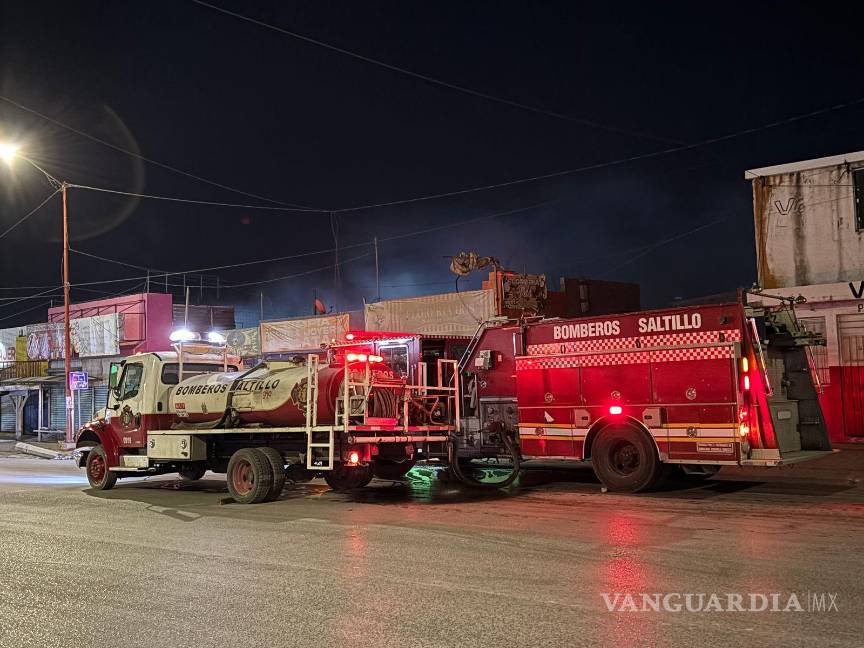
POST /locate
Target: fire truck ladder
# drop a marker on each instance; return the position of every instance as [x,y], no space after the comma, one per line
[312,434]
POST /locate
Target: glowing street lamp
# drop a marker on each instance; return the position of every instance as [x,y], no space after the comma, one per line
[10,152]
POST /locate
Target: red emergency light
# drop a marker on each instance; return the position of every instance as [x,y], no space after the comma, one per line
[353,457]
[615,410]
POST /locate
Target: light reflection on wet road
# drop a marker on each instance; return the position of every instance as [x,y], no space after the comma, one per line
[424,563]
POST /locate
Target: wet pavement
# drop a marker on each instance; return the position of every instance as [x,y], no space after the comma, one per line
[160,562]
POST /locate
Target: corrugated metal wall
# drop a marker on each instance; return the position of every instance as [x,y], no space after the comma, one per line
[7,414]
[205,318]
[87,401]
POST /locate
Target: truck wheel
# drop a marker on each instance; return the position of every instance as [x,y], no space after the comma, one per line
[345,478]
[625,460]
[384,469]
[98,475]
[277,464]
[250,476]
[192,471]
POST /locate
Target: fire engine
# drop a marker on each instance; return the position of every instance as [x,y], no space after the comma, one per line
[636,394]
[191,409]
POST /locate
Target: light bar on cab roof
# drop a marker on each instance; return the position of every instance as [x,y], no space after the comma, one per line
[362,357]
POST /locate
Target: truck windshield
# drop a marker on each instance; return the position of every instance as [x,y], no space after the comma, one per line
[171,370]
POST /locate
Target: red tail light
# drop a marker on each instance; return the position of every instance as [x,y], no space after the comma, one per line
[746,383]
[615,410]
[353,457]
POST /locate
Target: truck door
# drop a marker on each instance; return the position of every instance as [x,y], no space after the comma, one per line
[125,407]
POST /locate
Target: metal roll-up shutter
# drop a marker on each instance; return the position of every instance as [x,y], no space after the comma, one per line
[57,408]
[100,397]
[7,414]
[83,407]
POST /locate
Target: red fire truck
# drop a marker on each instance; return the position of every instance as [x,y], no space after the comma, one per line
[698,387]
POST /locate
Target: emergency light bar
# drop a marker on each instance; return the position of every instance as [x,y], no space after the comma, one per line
[362,357]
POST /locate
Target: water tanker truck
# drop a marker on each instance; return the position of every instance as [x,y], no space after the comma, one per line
[192,409]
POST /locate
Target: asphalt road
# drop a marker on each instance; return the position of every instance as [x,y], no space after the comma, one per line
[164,563]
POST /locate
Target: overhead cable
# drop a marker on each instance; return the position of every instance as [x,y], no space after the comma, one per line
[120,149]
[439,82]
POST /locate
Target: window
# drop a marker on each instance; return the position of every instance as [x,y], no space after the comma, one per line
[396,357]
[858,175]
[170,370]
[819,353]
[130,382]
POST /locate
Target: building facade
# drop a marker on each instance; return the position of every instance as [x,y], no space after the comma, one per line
[809,225]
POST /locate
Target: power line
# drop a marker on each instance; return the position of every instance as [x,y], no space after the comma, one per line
[611,163]
[651,248]
[40,294]
[190,200]
[26,310]
[433,80]
[29,214]
[298,274]
[141,157]
[159,273]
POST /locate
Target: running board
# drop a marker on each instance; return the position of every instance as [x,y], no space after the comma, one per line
[773,458]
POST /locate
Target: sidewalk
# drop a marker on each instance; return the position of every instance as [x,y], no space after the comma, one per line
[846,465]
[8,441]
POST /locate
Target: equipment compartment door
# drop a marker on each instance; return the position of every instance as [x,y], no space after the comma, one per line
[699,397]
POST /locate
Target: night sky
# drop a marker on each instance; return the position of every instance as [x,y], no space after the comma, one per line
[291,121]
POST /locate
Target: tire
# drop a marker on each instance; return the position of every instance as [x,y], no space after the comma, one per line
[192,471]
[98,475]
[344,478]
[625,460]
[393,470]
[277,464]
[250,476]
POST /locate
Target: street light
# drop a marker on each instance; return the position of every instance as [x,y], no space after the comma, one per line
[10,152]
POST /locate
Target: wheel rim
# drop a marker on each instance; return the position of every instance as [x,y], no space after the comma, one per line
[242,477]
[624,457]
[97,468]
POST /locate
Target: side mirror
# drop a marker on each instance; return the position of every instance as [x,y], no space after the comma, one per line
[114,377]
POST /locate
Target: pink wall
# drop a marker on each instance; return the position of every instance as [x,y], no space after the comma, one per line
[147,319]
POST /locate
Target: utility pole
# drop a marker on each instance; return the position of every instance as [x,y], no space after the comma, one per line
[67,341]
[377,276]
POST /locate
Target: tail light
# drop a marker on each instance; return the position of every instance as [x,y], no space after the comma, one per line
[353,457]
[615,410]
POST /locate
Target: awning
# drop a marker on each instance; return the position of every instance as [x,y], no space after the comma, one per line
[27,384]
